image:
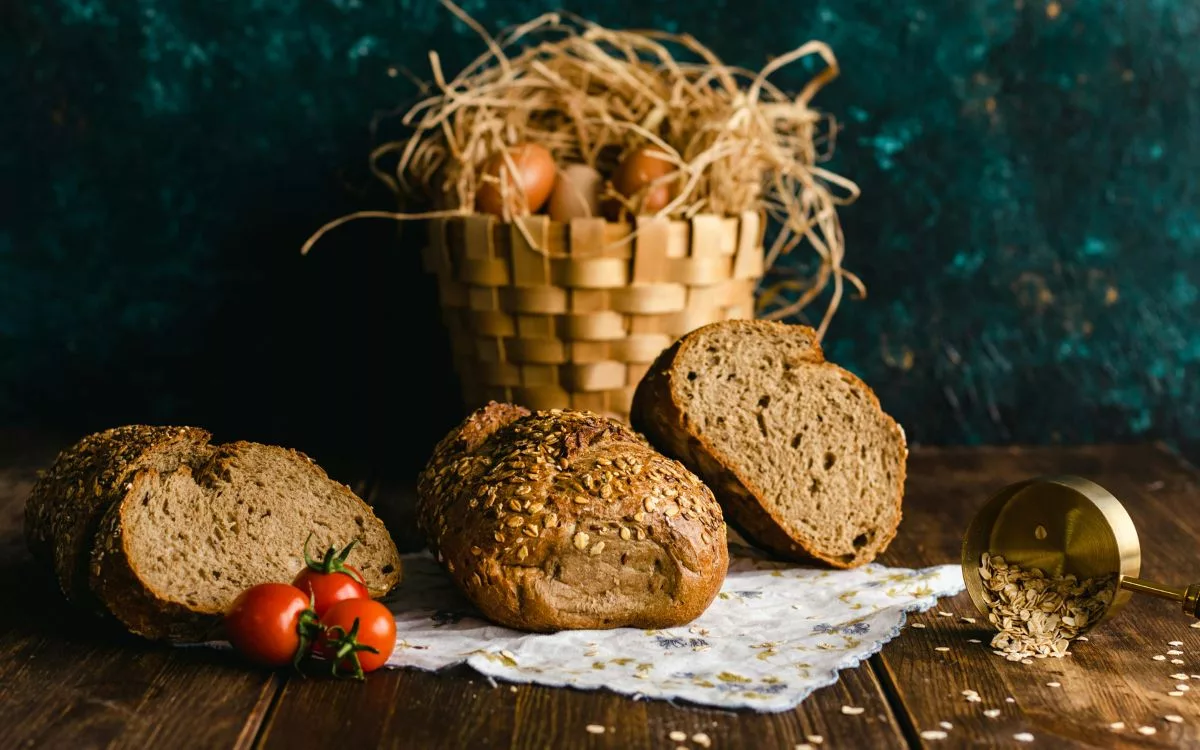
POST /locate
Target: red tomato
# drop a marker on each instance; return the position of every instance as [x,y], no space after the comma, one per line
[328,589]
[270,624]
[360,635]
[330,580]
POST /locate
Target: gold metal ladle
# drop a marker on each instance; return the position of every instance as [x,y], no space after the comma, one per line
[1064,525]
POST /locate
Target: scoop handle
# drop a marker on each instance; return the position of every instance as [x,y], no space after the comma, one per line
[1191,600]
[1189,597]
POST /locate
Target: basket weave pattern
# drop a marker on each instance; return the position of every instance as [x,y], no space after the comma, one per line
[574,319]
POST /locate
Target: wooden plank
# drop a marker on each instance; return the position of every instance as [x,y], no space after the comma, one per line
[459,708]
[393,708]
[1110,678]
[69,681]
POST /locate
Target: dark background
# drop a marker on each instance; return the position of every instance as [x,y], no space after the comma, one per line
[1029,229]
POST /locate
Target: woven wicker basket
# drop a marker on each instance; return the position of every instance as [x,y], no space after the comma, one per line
[575,318]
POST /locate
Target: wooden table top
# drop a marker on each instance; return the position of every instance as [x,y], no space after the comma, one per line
[67,681]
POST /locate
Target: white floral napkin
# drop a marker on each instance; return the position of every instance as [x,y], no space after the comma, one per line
[776,633]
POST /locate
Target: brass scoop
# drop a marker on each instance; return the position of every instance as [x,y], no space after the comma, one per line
[1064,525]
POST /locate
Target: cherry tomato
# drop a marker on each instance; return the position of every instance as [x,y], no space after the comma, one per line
[359,636]
[330,580]
[328,589]
[270,624]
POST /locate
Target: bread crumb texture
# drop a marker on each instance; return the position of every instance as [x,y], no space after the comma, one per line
[802,457]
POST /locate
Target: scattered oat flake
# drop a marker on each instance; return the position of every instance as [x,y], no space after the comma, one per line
[969,691]
[918,625]
[942,648]
[1196,677]
[974,699]
[816,739]
[1053,684]
[1174,643]
[933,734]
[1027,661]
[1117,725]
[945,725]
[1174,718]
[1183,688]
[1195,624]
[974,640]
[852,710]
[1177,661]
[804,746]
[702,739]
[1158,657]
[992,713]
[1147,730]
[1174,652]
[677,736]
[1179,676]
[1175,693]
[1083,638]
[1023,737]
[944,614]
[512,689]
[970,620]
[681,747]
[595,729]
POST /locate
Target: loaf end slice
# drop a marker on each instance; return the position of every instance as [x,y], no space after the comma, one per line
[802,457]
[67,503]
[179,547]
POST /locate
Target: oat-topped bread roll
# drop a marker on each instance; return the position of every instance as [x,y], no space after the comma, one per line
[803,459]
[569,520]
[163,530]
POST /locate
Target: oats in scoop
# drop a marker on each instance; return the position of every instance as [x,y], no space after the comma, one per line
[1038,615]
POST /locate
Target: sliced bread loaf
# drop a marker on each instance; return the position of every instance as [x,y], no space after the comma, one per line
[177,549]
[798,451]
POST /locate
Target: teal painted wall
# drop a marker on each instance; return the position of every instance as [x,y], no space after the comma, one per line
[1029,228]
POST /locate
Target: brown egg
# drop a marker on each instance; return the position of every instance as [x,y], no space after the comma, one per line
[534,181]
[633,177]
[576,193]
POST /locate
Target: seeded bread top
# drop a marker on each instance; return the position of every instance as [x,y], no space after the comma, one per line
[507,445]
[65,478]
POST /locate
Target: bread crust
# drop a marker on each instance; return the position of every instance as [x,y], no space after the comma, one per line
[658,414]
[569,520]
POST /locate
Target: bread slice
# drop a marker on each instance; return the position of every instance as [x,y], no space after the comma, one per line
[798,451]
[172,555]
[68,501]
